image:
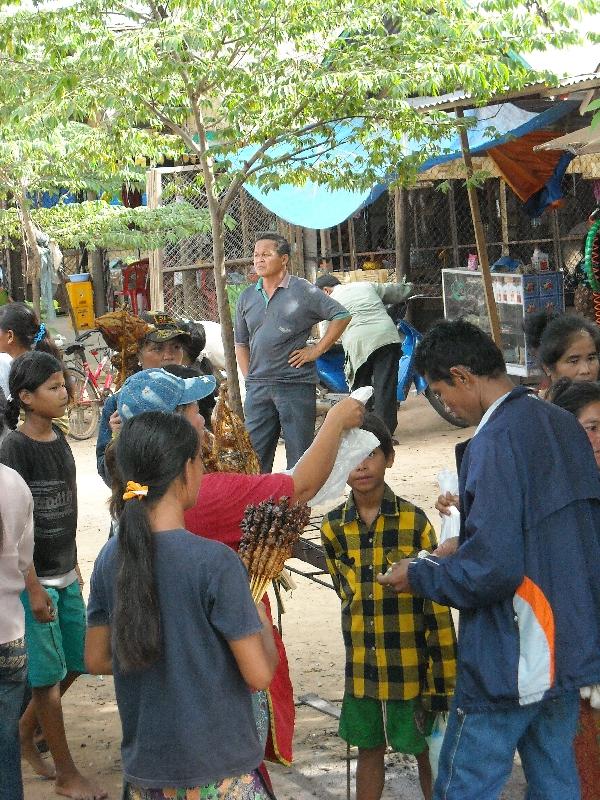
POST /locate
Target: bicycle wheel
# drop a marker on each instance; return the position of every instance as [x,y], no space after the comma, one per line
[443,411]
[84,411]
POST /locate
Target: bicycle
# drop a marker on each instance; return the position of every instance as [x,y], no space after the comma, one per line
[88,393]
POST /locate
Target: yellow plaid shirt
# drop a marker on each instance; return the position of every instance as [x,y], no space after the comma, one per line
[397,646]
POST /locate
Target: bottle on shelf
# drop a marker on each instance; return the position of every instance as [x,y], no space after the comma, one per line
[540,261]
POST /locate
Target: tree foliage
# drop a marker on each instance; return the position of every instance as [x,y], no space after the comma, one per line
[98,224]
[307,89]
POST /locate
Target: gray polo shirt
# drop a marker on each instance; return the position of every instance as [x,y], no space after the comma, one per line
[274,328]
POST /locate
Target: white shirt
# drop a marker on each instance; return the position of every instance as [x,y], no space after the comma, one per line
[5,362]
[16,551]
[490,411]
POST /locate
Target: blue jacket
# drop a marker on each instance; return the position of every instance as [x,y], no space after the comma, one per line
[526,576]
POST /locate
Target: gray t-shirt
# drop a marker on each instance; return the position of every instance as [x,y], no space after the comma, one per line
[275,329]
[187,720]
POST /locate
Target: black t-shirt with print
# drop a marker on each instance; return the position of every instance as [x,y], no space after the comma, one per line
[48,468]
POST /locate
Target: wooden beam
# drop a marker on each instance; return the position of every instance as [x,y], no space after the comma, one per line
[484,263]
[351,243]
[400,227]
[453,225]
[340,247]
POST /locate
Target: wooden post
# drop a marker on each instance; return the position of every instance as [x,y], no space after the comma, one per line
[340,247]
[352,243]
[453,225]
[155,257]
[300,262]
[504,219]
[484,263]
[402,256]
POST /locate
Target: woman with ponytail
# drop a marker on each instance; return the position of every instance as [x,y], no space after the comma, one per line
[170,614]
[21,331]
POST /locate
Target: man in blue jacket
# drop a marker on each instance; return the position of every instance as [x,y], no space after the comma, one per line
[525,576]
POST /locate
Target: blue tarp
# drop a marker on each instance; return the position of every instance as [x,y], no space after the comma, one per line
[314,206]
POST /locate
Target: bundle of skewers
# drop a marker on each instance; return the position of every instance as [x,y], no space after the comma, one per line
[270,530]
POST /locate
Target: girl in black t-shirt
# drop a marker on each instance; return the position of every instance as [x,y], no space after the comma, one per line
[54,608]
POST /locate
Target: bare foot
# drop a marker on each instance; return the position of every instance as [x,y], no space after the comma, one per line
[77,787]
[40,766]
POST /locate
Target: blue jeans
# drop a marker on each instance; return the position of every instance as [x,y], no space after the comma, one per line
[478,751]
[274,408]
[13,673]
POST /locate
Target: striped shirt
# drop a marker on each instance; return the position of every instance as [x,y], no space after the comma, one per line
[397,646]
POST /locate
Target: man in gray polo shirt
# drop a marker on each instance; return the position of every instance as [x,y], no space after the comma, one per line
[273,321]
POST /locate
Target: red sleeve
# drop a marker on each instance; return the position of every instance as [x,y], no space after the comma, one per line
[223,498]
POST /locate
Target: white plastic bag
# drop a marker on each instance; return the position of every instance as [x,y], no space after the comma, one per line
[355,446]
[435,741]
[450,526]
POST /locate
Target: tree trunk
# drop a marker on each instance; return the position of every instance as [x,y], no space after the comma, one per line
[32,253]
[218,240]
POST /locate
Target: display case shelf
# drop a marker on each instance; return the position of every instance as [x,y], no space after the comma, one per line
[516,296]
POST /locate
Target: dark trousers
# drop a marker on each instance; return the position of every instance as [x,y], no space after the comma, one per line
[274,408]
[380,371]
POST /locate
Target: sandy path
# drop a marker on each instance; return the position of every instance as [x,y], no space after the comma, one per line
[310,628]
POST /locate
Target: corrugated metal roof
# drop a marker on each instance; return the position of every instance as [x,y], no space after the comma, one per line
[461,98]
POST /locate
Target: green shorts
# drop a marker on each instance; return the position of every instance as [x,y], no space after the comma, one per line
[55,648]
[362,724]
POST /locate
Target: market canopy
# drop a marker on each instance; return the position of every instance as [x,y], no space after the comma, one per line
[314,206]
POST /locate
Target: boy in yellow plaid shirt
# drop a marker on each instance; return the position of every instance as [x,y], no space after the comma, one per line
[400,649]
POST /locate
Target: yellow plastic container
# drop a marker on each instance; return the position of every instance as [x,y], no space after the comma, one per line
[81,296]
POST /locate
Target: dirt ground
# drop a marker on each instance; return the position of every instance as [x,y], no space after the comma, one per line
[311,632]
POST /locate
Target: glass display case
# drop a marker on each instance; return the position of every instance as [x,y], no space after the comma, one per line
[516,296]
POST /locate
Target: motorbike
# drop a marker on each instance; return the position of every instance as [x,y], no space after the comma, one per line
[332,386]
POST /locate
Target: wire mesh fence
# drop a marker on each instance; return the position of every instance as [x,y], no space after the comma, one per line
[188,278]
[437,231]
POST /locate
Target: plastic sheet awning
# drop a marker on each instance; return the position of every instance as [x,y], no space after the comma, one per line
[315,206]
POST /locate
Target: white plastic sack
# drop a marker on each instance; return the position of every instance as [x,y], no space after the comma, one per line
[450,526]
[355,446]
[435,741]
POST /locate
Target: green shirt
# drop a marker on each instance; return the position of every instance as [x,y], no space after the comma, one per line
[371,326]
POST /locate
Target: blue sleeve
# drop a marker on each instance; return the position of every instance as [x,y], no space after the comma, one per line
[97,605]
[489,565]
[105,436]
[231,608]
[241,332]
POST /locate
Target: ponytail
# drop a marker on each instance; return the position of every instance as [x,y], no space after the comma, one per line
[27,329]
[153,449]
[138,637]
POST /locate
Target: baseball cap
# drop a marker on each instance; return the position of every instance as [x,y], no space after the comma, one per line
[159,390]
[165,327]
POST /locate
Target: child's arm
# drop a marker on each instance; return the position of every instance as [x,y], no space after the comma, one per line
[39,599]
[256,655]
[98,650]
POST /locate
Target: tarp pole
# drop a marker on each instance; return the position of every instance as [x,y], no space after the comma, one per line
[484,263]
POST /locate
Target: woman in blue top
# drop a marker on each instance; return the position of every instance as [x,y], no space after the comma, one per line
[171,616]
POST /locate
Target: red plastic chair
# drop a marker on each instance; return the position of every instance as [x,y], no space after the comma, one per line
[135,286]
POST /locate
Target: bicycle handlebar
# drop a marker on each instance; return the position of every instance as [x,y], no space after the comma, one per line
[83,336]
